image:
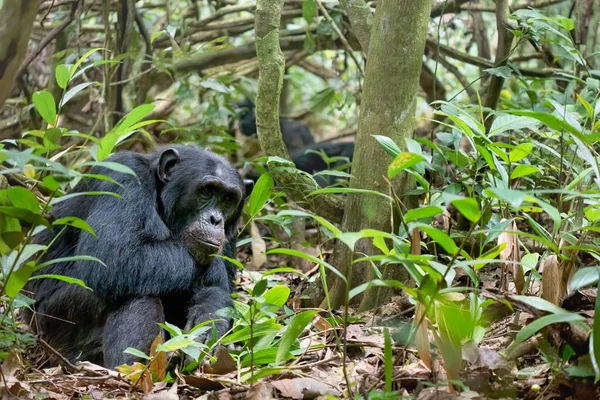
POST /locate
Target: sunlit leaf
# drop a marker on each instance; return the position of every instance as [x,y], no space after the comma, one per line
[294,329]
[45,106]
[403,161]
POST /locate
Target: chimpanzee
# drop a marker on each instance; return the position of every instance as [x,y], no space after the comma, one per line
[295,134]
[310,160]
[156,241]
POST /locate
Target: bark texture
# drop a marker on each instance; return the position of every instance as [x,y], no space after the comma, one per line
[391,83]
[270,82]
[16,21]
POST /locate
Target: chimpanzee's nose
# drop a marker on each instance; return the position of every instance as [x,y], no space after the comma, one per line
[215,219]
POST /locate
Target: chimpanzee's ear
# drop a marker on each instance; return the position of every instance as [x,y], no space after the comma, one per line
[168,159]
[249,185]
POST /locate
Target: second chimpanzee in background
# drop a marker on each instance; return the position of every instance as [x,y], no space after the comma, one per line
[295,134]
[300,143]
[157,242]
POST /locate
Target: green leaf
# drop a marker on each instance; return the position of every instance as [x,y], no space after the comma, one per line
[113,166]
[524,170]
[388,359]
[260,194]
[57,200]
[468,207]
[82,59]
[321,99]
[440,238]
[513,197]
[520,152]
[403,161]
[277,295]
[23,198]
[24,215]
[64,278]
[294,329]
[63,74]
[69,259]
[388,145]
[246,333]
[137,353]
[309,10]
[17,280]
[259,287]
[45,106]
[76,223]
[501,72]
[595,340]
[584,277]
[177,343]
[73,91]
[540,323]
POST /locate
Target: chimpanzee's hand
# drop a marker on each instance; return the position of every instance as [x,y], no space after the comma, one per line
[198,314]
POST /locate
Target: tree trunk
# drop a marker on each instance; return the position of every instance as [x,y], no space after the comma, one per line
[391,81]
[16,21]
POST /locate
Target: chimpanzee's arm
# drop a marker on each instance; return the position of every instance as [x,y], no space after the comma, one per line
[212,293]
[141,256]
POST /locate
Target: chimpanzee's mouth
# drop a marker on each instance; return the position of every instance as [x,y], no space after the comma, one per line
[210,244]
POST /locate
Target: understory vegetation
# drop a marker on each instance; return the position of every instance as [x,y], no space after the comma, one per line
[456,252]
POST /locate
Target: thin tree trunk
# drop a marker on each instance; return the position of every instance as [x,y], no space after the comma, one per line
[391,82]
[16,21]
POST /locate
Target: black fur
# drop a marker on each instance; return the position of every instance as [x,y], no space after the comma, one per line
[307,160]
[295,134]
[152,274]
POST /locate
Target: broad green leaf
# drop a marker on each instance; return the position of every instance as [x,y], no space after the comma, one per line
[388,145]
[24,215]
[260,194]
[23,198]
[501,72]
[520,152]
[422,213]
[321,99]
[294,329]
[177,343]
[45,106]
[246,332]
[18,279]
[584,277]
[137,353]
[513,197]
[309,10]
[540,323]
[440,238]
[63,74]
[524,170]
[277,295]
[76,223]
[468,207]
[403,161]
[259,287]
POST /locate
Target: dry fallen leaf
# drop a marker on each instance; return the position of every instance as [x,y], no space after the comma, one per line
[224,364]
[260,391]
[422,335]
[158,365]
[259,247]
[300,388]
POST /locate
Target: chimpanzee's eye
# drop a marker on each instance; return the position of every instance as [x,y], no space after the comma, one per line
[208,191]
[229,199]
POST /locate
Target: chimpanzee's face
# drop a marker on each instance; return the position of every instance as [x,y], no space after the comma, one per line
[202,199]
